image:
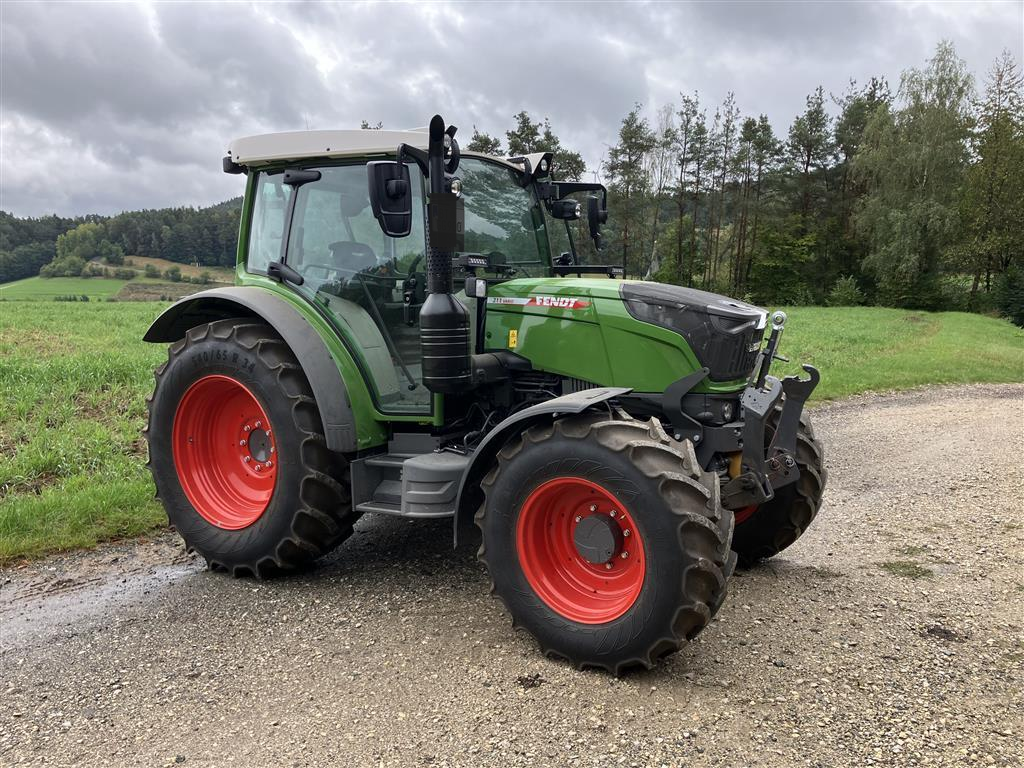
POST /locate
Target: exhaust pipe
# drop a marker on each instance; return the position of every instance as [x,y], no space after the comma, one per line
[444,320]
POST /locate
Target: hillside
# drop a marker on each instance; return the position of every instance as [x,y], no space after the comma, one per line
[207,236]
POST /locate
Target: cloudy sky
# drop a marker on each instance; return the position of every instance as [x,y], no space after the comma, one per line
[109,107]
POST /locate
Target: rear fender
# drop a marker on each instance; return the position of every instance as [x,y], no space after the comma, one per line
[325,379]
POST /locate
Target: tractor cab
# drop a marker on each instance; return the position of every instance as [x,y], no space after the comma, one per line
[312,223]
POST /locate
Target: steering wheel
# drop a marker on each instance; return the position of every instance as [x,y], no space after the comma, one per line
[373,273]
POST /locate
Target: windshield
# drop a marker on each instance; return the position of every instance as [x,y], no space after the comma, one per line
[502,219]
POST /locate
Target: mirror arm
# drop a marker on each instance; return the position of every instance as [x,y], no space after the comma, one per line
[416,154]
[549,191]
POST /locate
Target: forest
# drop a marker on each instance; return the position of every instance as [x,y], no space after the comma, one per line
[54,246]
[908,196]
[905,195]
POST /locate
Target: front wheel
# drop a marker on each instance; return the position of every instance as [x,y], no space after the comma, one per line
[605,540]
[238,455]
[764,530]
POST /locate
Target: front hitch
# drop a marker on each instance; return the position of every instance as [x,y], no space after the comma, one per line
[765,471]
[759,467]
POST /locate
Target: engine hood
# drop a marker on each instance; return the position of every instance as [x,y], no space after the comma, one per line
[725,334]
[674,297]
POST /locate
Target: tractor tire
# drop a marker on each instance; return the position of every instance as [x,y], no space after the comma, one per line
[765,530]
[605,540]
[237,451]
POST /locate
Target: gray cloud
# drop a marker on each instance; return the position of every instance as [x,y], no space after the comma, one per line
[111,107]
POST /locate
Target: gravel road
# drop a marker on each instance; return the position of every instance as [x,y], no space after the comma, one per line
[891,634]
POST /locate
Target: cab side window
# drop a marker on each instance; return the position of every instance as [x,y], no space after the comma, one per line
[267,225]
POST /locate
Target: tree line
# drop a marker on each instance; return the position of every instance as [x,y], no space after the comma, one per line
[910,196]
[60,246]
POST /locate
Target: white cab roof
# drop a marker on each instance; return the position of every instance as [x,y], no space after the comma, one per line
[296,145]
[257,150]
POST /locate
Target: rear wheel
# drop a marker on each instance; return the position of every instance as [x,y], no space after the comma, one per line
[238,454]
[764,530]
[605,540]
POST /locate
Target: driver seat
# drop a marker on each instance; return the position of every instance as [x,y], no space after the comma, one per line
[347,254]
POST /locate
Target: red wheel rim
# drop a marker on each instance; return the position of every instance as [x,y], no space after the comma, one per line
[224,452]
[744,513]
[572,586]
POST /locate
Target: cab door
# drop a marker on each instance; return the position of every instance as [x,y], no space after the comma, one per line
[359,277]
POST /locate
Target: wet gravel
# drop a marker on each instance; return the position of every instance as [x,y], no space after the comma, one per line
[891,634]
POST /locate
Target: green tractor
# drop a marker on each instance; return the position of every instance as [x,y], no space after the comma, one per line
[402,340]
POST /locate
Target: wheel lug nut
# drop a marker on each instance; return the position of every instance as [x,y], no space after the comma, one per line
[624,555]
[269,464]
[246,459]
[259,424]
[593,507]
[578,518]
[613,513]
[626,532]
[607,566]
[259,468]
[241,442]
[246,428]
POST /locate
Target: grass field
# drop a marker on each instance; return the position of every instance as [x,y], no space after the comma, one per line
[73,384]
[863,349]
[45,289]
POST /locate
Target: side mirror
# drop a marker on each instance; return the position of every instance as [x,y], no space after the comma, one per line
[596,216]
[390,196]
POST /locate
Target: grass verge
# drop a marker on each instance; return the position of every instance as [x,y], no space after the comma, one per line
[73,382]
[873,349]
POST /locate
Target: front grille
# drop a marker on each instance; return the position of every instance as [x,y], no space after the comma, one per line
[737,360]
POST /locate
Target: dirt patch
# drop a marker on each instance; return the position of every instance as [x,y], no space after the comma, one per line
[158,291]
[526,682]
[28,485]
[944,633]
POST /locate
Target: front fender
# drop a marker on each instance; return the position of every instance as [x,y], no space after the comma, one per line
[480,462]
[321,370]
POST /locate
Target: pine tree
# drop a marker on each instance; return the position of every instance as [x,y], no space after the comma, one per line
[687,116]
[629,179]
[529,136]
[811,149]
[484,143]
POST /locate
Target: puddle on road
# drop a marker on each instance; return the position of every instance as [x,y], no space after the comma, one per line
[43,600]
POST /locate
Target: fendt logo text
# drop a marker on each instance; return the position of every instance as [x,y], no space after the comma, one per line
[562,302]
[559,302]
